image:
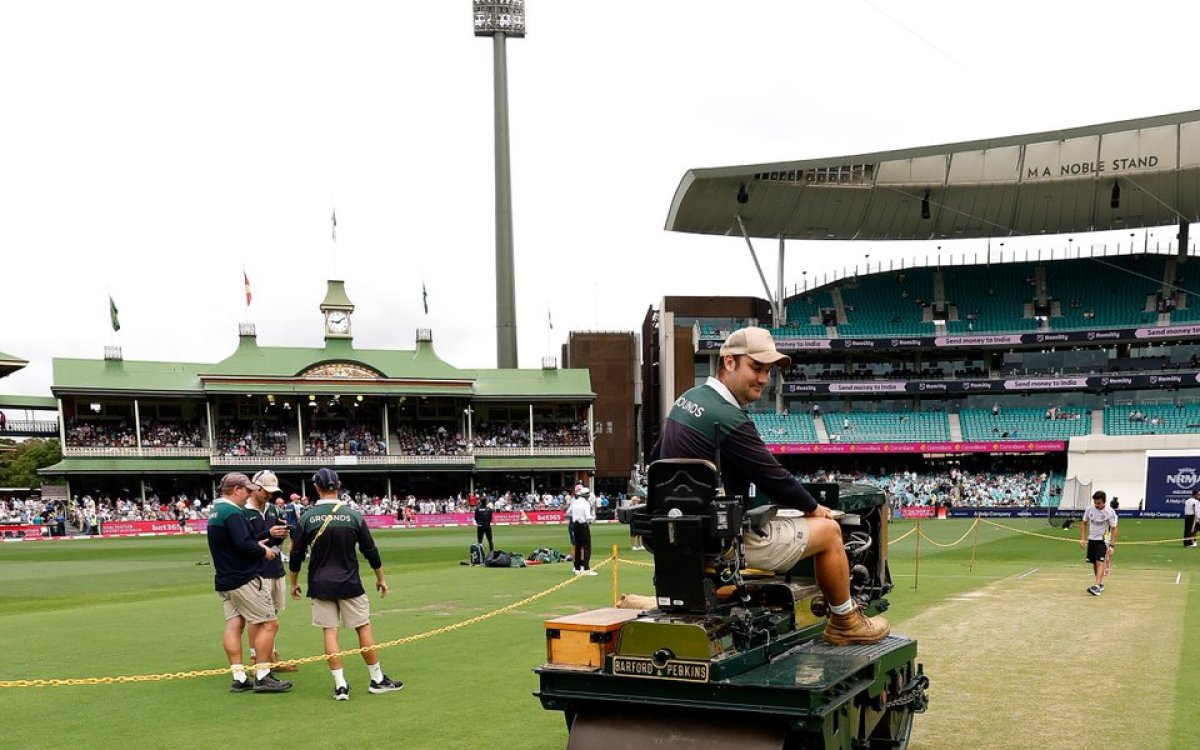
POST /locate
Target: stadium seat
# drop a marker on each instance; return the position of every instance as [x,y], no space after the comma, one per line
[1024,424]
[889,427]
[784,428]
[1157,419]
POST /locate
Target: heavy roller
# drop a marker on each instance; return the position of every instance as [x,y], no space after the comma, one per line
[730,657]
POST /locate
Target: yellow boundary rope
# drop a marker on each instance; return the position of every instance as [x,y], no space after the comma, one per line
[955,543]
[1075,539]
[903,536]
[126,679]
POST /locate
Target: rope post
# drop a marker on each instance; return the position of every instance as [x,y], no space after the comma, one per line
[975,543]
[917,560]
[616,563]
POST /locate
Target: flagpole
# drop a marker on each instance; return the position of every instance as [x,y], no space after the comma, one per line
[333,220]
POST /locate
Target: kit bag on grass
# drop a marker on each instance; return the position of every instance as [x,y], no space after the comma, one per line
[477,556]
[502,559]
[498,559]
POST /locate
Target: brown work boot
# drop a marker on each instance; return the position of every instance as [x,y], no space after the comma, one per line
[855,628]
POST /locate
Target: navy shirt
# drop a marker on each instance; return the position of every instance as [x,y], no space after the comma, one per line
[237,557]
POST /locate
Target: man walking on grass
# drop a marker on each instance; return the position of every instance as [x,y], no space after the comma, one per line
[1097,521]
[328,533]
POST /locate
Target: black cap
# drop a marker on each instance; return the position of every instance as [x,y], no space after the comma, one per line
[326,478]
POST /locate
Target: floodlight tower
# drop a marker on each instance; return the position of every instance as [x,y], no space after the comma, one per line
[501,20]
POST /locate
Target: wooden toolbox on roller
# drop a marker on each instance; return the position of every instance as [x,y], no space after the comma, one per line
[584,639]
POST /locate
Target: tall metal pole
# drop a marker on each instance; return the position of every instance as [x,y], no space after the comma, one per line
[501,19]
[506,297]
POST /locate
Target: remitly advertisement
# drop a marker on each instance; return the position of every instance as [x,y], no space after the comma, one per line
[1171,478]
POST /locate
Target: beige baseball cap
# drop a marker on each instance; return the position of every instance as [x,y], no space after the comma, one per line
[757,344]
[268,481]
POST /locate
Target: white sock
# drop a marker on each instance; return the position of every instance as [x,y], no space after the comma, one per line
[339,678]
[261,673]
[844,608]
[253,654]
[239,672]
[376,672]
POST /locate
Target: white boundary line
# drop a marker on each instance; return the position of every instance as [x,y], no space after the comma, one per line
[1027,574]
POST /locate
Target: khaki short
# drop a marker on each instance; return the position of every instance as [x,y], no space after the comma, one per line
[782,547]
[353,613]
[251,601]
[279,592]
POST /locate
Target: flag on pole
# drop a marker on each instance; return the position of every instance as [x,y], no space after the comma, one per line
[549,319]
[246,280]
[112,314]
[333,219]
[424,298]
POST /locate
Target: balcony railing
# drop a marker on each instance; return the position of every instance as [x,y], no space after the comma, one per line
[270,461]
[462,459]
[537,450]
[144,452]
[31,427]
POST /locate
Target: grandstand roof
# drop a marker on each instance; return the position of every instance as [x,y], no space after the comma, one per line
[1053,182]
[29,402]
[10,364]
[255,369]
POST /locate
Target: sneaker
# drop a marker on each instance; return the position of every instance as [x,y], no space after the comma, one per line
[576,571]
[1101,587]
[855,628]
[269,684]
[243,686]
[589,573]
[1094,590]
[386,685]
[341,693]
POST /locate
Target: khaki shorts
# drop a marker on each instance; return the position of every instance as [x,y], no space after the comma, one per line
[783,546]
[353,613]
[279,592]
[251,601]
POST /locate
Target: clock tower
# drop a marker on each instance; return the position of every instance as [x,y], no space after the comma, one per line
[337,309]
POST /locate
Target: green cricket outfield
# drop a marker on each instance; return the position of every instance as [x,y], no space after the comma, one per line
[1017,652]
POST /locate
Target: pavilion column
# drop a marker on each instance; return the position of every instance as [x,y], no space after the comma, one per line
[137,431]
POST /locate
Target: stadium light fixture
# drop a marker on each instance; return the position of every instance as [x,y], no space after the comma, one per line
[506,18]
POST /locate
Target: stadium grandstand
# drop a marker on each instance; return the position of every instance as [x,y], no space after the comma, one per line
[24,416]
[396,422]
[1075,356]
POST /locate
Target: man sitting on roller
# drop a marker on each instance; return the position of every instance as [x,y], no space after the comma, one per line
[747,357]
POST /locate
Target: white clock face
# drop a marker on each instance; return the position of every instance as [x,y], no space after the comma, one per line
[338,322]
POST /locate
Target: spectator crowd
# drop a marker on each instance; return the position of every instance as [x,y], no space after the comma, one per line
[953,487]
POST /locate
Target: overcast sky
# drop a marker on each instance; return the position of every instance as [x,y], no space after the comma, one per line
[155,149]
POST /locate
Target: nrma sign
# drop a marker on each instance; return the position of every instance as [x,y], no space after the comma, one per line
[1185,478]
[1170,481]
